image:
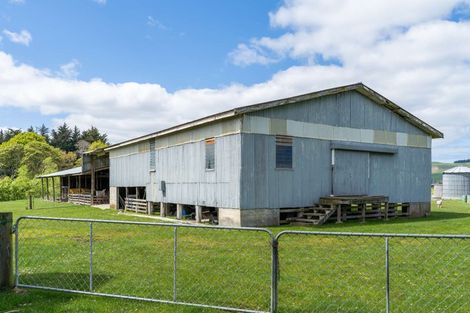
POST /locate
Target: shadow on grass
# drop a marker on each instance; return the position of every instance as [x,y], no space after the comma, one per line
[435,216]
[42,301]
[69,281]
[65,205]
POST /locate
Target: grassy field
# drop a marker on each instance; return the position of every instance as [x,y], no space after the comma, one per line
[128,260]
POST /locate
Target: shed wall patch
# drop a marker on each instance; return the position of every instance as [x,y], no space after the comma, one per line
[268,126]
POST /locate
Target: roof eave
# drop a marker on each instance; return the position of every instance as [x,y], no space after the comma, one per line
[433,132]
[185,126]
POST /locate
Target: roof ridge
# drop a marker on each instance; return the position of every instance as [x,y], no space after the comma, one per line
[359,87]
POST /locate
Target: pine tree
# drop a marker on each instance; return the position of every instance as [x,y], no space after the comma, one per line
[76,135]
[93,134]
[10,133]
[62,138]
[43,131]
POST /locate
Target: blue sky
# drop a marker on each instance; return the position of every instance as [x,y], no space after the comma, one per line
[98,62]
[177,44]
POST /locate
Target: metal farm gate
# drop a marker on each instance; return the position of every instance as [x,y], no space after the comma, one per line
[204,266]
[245,269]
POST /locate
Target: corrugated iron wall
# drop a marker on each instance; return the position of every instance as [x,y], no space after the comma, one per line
[403,173]
[455,185]
[187,180]
[180,164]
[349,109]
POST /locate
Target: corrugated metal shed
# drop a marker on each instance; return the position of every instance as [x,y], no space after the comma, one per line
[456,182]
[345,140]
[457,169]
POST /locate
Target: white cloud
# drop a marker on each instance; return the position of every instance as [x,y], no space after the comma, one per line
[101,2]
[69,70]
[408,50]
[343,28]
[17,1]
[23,37]
[419,60]
[246,55]
[153,22]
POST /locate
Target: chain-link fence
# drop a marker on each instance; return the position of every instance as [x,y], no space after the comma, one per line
[351,272]
[247,269]
[214,267]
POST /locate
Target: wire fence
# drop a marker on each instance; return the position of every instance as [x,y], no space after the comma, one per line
[218,267]
[245,269]
[353,272]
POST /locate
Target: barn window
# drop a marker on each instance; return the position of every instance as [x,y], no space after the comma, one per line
[210,154]
[152,154]
[283,152]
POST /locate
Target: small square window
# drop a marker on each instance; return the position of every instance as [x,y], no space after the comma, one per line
[210,154]
[283,152]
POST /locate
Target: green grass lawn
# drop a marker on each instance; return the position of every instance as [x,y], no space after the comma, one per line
[339,273]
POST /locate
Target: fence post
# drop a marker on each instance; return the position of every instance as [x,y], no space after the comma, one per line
[175,246]
[274,274]
[387,276]
[30,203]
[6,220]
[91,256]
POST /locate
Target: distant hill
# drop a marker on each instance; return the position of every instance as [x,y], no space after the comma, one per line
[439,167]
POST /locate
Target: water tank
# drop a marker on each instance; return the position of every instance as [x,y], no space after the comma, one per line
[437,192]
[456,182]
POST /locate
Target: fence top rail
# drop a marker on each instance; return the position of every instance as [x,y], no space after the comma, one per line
[382,235]
[269,232]
[85,220]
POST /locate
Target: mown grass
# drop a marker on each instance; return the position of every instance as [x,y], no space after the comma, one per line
[319,274]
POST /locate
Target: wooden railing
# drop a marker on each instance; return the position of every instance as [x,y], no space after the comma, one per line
[85,198]
[136,205]
[80,198]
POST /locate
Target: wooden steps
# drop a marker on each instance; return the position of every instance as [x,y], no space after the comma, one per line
[309,216]
[343,208]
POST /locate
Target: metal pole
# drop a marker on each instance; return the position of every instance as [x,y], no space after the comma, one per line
[175,246]
[332,187]
[387,275]
[91,256]
[274,274]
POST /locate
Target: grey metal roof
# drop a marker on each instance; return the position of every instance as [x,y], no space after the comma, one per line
[457,170]
[70,171]
[359,87]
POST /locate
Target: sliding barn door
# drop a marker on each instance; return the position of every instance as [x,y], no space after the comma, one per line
[351,173]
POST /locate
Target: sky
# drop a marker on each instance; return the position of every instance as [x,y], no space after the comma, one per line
[134,67]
